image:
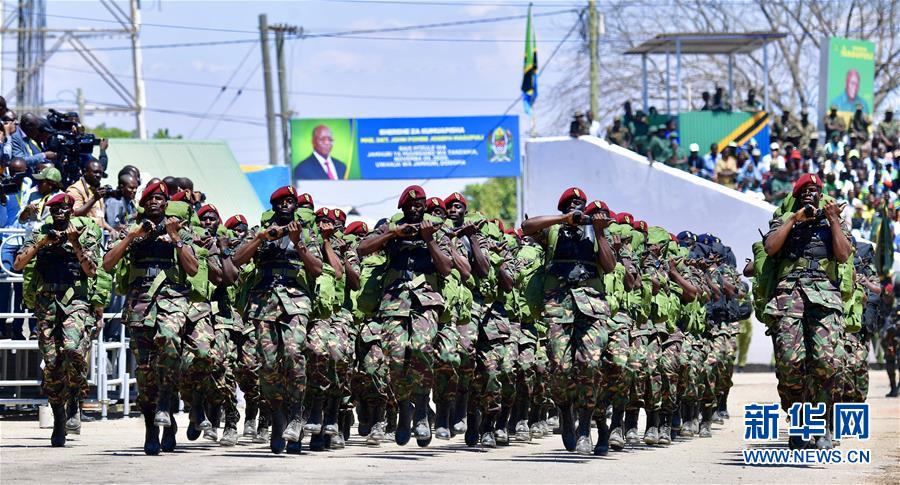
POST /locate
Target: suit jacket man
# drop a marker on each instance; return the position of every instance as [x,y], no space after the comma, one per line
[311,168]
[25,147]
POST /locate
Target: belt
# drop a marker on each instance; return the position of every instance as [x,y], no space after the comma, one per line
[149,272]
[55,287]
[282,272]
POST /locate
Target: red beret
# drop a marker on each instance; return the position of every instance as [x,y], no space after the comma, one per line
[673,237]
[339,215]
[807,179]
[305,199]
[208,208]
[180,195]
[280,193]
[456,197]
[596,206]
[434,202]
[500,224]
[359,228]
[412,192]
[624,218]
[568,195]
[152,189]
[325,213]
[61,199]
[612,215]
[234,221]
[639,226]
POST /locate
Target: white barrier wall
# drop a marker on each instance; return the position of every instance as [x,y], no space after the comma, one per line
[656,193]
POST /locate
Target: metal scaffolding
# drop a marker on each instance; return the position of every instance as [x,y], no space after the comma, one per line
[28,23]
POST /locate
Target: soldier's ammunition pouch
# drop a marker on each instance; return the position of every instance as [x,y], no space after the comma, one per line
[573,272]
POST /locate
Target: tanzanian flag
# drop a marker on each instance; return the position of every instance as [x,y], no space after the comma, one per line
[530,76]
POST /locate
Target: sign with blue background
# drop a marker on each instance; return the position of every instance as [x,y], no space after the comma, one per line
[404,148]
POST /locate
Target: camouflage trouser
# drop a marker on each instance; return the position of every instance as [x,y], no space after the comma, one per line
[807,339]
[495,373]
[853,376]
[409,353]
[281,318]
[200,356]
[467,333]
[645,381]
[577,332]
[540,391]
[330,345]
[725,346]
[223,377]
[616,372]
[670,370]
[706,388]
[64,339]
[689,382]
[169,336]
[447,362]
[526,362]
[369,378]
[246,368]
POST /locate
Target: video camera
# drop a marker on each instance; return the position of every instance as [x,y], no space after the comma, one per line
[69,142]
[112,193]
[11,184]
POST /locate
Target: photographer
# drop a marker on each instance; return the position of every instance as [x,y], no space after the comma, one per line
[29,138]
[90,196]
[10,125]
[121,210]
[13,187]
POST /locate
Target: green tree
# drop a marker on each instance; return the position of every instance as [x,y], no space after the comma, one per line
[103,131]
[495,198]
[163,134]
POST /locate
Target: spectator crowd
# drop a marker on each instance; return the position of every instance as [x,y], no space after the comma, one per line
[857,158]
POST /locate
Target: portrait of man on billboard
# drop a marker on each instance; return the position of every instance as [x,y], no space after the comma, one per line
[320,165]
[849,97]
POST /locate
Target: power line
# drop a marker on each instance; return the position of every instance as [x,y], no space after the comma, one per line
[223,88]
[236,96]
[317,94]
[143,24]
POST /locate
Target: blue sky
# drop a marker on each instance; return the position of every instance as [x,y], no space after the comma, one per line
[473,69]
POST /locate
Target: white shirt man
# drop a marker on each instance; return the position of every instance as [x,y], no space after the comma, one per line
[327,165]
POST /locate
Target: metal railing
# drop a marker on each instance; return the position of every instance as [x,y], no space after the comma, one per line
[107,362]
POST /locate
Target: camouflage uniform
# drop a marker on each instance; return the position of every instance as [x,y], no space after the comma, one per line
[65,316]
[279,308]
[577,317]
[808,313]
[409,313]
[171,331]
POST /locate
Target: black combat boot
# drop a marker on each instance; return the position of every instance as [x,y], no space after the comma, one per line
[442,419]
[616,437]
[151,432]
[487,431]
[364,415]
[279,422]
[58,438]
[583,443]
[651,432]
[890,367]
[459,414]
[501,435]
[602,446]
[473,427]
[631,422]
[169,441]
[567,426]
[404,423]
[313,424]
[73,416]
[421,421]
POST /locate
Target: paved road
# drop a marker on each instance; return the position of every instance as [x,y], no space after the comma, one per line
[111,452]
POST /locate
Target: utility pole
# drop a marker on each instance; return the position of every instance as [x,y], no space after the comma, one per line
[267,87]
[280,30]
[79,99]
[593,40]
[140,99]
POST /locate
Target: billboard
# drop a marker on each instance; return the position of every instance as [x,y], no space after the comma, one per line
[404,148]
[846,76]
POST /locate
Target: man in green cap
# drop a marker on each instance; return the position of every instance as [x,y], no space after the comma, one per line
[49,183]
[834,123]
[888,130]
[618,134]
[62,260]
